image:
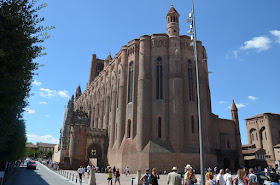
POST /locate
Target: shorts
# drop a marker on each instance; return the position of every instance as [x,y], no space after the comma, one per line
[117,179]
[109,179]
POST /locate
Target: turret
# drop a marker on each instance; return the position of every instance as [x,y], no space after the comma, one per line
[234,113]
[78,92]
[92,73]
[107,60]
[173,22]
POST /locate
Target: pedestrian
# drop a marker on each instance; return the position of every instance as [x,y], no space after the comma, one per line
[114,171]
[220,178]
[154,177]
[88,169]
[173,177]
[84,170]
[215,170]
[246,172]
[209,178]
[228,177]
[274,177]
[110,175]
[146,177]
[190,176]
[118,176]
[80,172]
[188,169]
[240,178]
[253,180]
[127,170]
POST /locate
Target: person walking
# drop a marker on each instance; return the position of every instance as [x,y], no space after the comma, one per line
[146,177]
[228,177]
[173,177]
[240,178]
[274,177]
[88,169]
[209,178]
[190,176]
[80,172]
[154,177]
[253,180]
[117,174]
[110,175]
[188,169]
[220,178]
[246,172]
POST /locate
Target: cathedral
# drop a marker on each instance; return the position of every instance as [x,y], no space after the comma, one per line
[140,109]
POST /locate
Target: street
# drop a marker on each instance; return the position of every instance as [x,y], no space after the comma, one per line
[41,176]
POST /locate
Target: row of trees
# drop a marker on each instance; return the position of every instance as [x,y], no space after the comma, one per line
[29,152]
[20,43]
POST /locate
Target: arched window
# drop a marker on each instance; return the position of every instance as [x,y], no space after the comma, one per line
[159,127]
[192,124]
[252,137]
[118,85]
[130,82]
[128,129]
[112,86]
[190,77]
[159,79]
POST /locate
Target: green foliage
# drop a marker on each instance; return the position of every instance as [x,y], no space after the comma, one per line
[29,152]
[20,39]
[39,152]
[49,154]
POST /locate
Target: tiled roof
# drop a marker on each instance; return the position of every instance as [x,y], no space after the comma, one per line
[248,145]
[251,151]
[249,157]
[277,146]
[45,145]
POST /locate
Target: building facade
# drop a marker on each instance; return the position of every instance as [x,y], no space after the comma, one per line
[263,130]
[143,104]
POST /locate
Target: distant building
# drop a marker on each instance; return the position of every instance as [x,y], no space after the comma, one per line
[253,157]
[46,147]
[140,109]
[263,130]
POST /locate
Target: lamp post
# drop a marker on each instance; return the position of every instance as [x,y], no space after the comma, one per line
[192,32]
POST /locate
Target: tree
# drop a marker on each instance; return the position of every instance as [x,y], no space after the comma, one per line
[39,152]
[49,154]
[20,39]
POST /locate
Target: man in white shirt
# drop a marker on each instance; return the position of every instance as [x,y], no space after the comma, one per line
[220,179]
[228,178]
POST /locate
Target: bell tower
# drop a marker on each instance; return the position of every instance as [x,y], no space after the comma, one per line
[173,22]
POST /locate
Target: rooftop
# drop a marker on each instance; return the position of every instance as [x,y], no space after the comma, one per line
[261,115]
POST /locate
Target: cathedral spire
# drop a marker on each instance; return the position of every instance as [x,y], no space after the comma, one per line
[233,107]
[78,92]
[172,22]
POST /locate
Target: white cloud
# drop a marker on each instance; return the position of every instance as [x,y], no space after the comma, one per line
[222,102]
[45,139]
[36,83]
[51,93]
[43,102]
[276,33]
[235,54]
[29,111]
[63,94]
[240,105]
[252,97]
[260,43]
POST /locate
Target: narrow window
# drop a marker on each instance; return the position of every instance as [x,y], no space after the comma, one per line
[265,136]
[116,131]
[256,136]
[159,79]
[111,94]
[130,82]
[252,137]
[192,124]
[118,85]
[129,128]
[190,77]
[159,127]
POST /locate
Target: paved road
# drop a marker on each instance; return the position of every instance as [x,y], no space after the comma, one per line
[41,176]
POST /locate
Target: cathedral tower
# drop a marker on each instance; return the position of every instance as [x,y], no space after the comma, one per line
[173,22]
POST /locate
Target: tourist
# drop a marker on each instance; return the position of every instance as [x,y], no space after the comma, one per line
[88,169]
[240,178]
[220,178]
[127,170]
[246,172]
[114,171]
[209,178]
[110,175]
[146,177]
[190,176]
[188,169]
[154,177]
[117,174]
[80,172]
[174,178]
[274,177]
[228,178]
[215,170]
[253,180]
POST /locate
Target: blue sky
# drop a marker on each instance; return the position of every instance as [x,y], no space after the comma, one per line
[242,40]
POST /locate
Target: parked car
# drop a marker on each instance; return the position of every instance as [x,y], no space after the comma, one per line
[31,165]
